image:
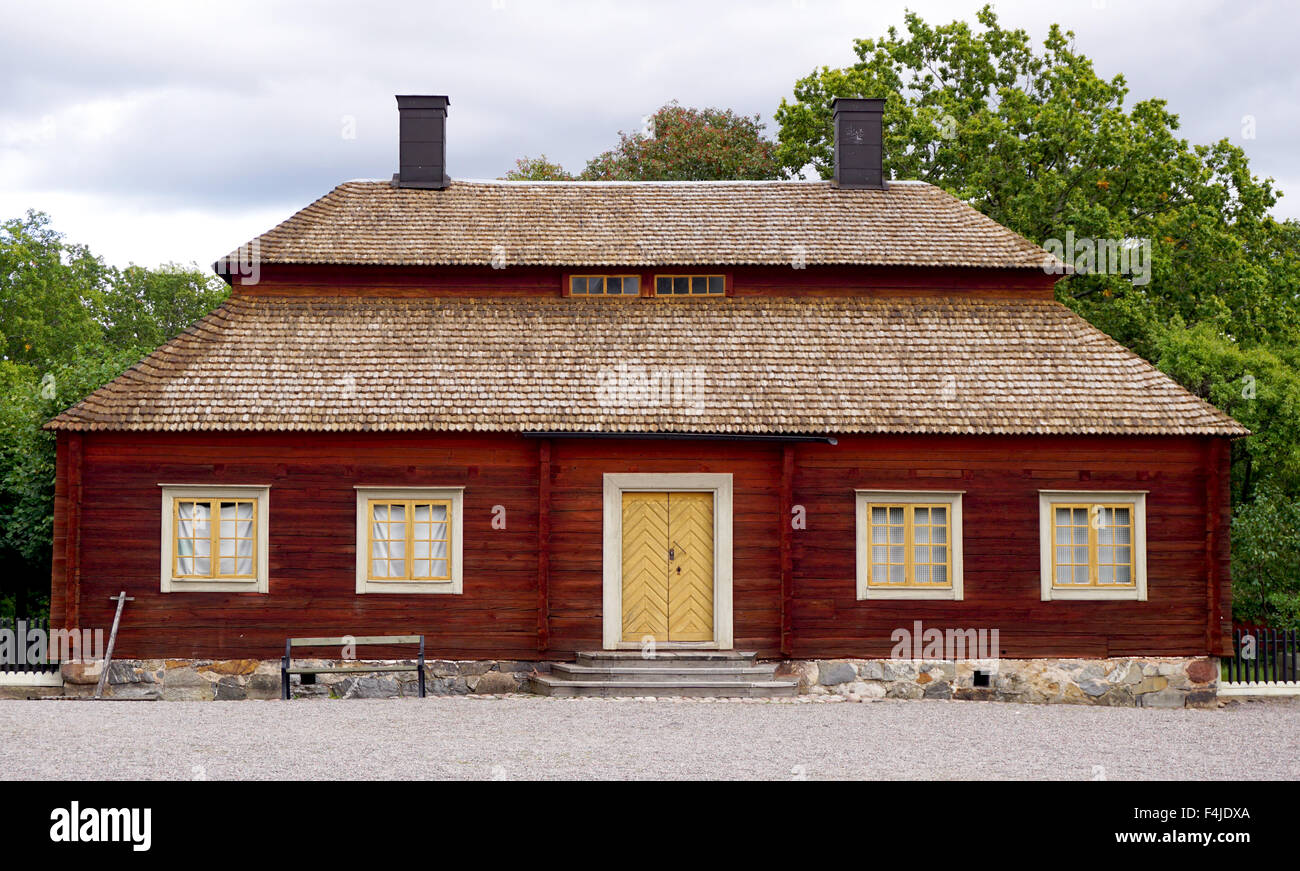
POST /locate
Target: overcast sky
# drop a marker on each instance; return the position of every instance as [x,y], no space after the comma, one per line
[175,131]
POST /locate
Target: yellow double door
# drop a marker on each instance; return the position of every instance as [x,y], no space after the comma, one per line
[667,566]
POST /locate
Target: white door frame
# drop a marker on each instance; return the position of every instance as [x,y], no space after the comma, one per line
[616,484]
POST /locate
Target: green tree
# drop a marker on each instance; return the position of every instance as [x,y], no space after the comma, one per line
[143,308]
[68,324]
[50,292]
[537,169]
[687,144]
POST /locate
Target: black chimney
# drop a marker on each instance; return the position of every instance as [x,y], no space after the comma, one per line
[422,143]
[859,143]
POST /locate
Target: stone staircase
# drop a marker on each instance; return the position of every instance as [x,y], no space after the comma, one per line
[706,673]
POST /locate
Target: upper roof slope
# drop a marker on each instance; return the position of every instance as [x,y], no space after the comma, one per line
[645,224]
[739,365]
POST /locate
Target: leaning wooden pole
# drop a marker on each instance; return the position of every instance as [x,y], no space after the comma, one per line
[122,599]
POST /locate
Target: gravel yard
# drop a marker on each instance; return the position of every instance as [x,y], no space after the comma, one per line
[515,738]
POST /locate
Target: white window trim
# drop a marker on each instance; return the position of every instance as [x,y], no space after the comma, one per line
[258,584]
[1051,592]
[618,483]
[954,499]
[454,586]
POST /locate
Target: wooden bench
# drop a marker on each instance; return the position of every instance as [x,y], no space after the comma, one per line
[287,667]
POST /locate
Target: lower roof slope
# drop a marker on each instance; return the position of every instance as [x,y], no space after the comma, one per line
[742,365]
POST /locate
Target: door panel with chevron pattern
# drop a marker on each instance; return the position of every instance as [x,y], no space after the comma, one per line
[645,566]
[690,572]
[668,566]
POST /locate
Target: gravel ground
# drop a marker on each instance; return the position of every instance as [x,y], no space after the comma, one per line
[520,737]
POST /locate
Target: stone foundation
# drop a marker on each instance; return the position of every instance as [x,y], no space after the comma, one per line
[1149,682]
[1153,682]
[197,680]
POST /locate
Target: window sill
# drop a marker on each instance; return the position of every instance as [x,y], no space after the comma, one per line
[1094,594]
[183,585]
[920,593]
[422,588]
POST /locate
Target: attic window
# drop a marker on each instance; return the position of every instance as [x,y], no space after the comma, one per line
[605,285]
[690,285]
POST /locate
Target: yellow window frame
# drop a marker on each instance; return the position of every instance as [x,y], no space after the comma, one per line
[408,551]
[689,277]
[909,553]
[214,539]
[604,287]
[1094,546]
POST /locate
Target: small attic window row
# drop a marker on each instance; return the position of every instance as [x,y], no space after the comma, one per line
[664,285]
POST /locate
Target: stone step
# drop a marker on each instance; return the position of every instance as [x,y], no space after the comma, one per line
[662,672]
[719,688]
[665,658]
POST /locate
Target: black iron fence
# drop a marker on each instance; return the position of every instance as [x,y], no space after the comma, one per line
[25,647]
[1263,656]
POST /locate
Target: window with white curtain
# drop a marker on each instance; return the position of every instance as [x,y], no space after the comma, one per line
[214,539]
[409,540]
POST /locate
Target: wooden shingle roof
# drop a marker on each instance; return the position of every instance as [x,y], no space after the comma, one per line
[643,224]
[734,365]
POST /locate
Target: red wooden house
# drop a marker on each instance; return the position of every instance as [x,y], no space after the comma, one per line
[528,419]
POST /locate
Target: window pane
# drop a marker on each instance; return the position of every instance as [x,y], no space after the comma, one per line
[244,566]
[202,566]
[1105,574]
[921,535]
[940,535]
[880,573]
[879,515]
[377,568]
[920,555]
[226,566]
[663,285]
[1124,574]
[923,574]
[940,573]
[896,515]
[896,555]
[1081,574]
[699,284]
[421,569]
[939,555]
[921,515]
[631,285]
[896,575]
[1063,517]
[185,565]
[577,285]
[717,285]
[681,285]
[1120,517]
[1062,574]
[439,548]
[880,555]
[880,535]
[897,535]
[439,569]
